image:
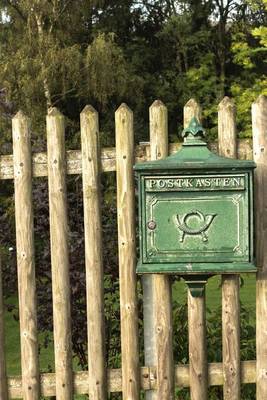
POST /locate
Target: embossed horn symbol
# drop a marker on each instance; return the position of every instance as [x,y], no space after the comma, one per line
[203,225]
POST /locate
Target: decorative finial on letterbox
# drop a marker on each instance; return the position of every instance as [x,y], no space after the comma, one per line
[194,130]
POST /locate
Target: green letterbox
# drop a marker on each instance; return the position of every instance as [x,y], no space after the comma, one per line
[195,211]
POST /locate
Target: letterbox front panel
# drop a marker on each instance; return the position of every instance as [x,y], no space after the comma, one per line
[196,219]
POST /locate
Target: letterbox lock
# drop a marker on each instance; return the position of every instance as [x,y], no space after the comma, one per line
[151,225]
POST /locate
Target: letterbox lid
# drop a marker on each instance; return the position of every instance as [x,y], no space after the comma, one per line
[195,155]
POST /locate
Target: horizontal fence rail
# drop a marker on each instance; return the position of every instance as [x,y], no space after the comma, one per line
[148,379]
[108,159]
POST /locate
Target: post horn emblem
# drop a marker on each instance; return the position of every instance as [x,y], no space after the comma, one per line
[183,224]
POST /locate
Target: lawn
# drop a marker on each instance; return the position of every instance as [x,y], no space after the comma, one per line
[213,291]
[46,356]
[247,295]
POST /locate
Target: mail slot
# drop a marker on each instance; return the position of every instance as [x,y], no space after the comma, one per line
[195,211]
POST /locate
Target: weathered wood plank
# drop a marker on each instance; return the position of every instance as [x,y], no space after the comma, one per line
[227,143]
[97,388]
[198,367]
[164,331]
[59,253]
[192,109]
[230,283]
[157,288]
[108,159]
[127,251]
[25,256]
[231,336]
[148,379]
[259,130]
[3,377]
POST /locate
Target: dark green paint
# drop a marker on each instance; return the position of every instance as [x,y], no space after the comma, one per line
[196,284]
[195,211]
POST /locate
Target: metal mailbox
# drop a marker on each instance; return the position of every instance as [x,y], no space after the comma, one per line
[195,211]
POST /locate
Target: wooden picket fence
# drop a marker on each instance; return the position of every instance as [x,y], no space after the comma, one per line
[159,377]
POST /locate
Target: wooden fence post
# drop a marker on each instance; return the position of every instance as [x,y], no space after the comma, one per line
[25,255]
[127,252]
[3,377]
[230,283]
[192,109]
[59,253]
[93,253]
[157,288]
[259,130]
[198,367]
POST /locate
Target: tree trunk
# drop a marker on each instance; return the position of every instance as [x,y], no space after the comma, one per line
[40,30]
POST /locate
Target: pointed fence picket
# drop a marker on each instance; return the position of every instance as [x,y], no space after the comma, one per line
[127,252]
[230,283]
[59,253]
[159,376]
[97,380]
[25,256]
[157,288]
[198,364]
[259,130]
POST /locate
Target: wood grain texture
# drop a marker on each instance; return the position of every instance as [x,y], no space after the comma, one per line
[230,283]
[157,288]
[59,253]
[192,109]
[231,336]
[127,252]
[97,387]
[3,377]
[164,332]
[259,130]
[25,256]
[227,142]
[148,379]
[198,367]
[108,158]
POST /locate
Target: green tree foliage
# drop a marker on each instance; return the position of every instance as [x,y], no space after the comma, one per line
[47,60]
[106,69]
[69,53]
[249,49]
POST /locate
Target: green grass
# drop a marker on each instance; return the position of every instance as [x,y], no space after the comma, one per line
[13,346]
[12,349]
[213,291]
